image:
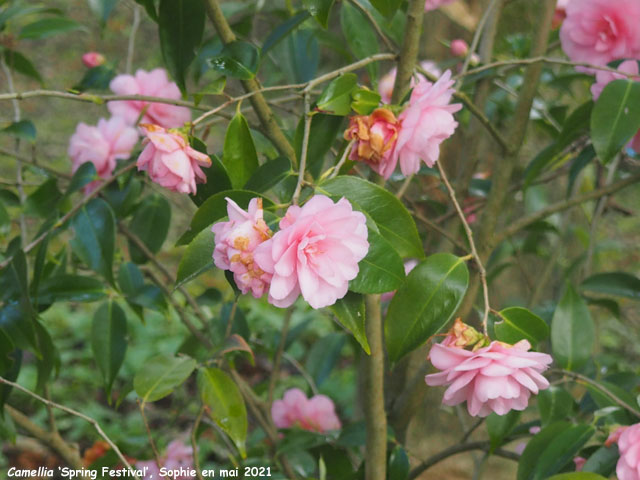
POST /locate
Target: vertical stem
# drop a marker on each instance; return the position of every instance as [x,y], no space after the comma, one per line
[375,415]
[132,37]
[194,443]
[410,49]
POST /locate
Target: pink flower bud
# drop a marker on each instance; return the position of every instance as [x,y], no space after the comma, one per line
[579,462]
[316,414]
[170,161]
[386,83]
[93,59]
[459,48]
[236,241]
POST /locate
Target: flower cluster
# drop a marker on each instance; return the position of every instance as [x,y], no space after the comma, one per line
[497,377]
[177,456]
[383,141]
[628,440]
[315,253]
[316,414]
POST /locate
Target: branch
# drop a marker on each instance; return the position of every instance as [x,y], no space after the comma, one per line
[410,48]
[305,148]
[75,413]
[477,35]
[29,161]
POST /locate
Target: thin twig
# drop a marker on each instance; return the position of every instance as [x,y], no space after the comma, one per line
[75,413]
[437,228]
[305,148]
[194,443]
[476,36]
[156,454]
[277,359]
[132,37]
[343,159]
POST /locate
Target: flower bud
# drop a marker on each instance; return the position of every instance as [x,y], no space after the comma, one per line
[93,59]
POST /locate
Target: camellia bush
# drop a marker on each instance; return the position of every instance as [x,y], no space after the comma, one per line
[320,239]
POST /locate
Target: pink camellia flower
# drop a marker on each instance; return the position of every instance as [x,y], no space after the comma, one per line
[560,13]
[102,145]
[153,84]
[235,242]
[434,4]
[93,59]
[599,31]
[375,137]
[178,455]
[498,377]
[459,48]
[628,467]
[387,82]
[316,252]
[425,124]
[170,161]
[315,414]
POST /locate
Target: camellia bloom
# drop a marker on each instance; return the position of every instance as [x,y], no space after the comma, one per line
[386,83]
[599,31]
[434,4]
[170,161]
[102,145]
[93,59]
[459,48]
[560,13]
[316,414]
[316,252]
[154,84]
[498,377]
[628,439]
[425,124]
[178,455]
[235,242]
[375,137]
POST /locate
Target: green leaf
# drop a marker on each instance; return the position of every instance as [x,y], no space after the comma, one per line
[44,199]
[520,324]
[215,208]
[269,175]
[336,97]
[602,461]
[561,450]
[572,331]
[555,404]
[365,101]
[387,7]
[425,303]
[282,30]
[198,257]
[577,476]
[239,156]
[214,88]
[20,329]
[11,375]
[5,220]
[217,177]
[319,9]
[500,426]
[6,347]
[21,64]
[150,7]
[226,405]
[238,60]
[393,220]
[324,356]
[621,284]
[50,357]
[85,174]
[109,341]
[48,27]
[95,233]
[536,446]
[361,37]
[24,129]
[381,270]
[96,78]
[150,223]
[160,375]
[102,9]
[350,313]
[615,118]
[399,464]
[324,129]
[180,25]
[70,288]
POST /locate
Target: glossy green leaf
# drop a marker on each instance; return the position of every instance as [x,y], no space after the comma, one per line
[554,404]
[561,450]
[584,158]
[269,175]
[615,118]
[85,174]
[572,331]
[387,7]
[350,313]
[399,463]
[198,257]
[392,218]
[150,8]
[24,129]
[336,97]
[6,347]
[96,78]
[381,270]
[48,27]
[324,130]
[517,323]
[324,356]
[11,375]
[238,60]
[319,9]
[365,101]
[70,288]
[160,375]
[21,64]
[217,177]
[214,88]
[109,341]
[535,448]
[239,156]
[215,208]
[425,303]
[94,227]
[44,199]
[20,329]
[150,223]
[50,357]
[500,426]
[226,405]
[620,284]
[360,35]
[284,29]
[180,25]
[602,461]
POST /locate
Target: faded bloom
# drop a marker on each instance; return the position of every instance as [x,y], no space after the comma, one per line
[462,335]
[599,31]
[498,377]
[235,242]
[459,48]
[560,14]
[102,145]
[628,439]
[153,84]
[425,124]
[316,414]
[178,455]
[316,252]
[93,59]
[434,4]
[386,83]
[170,161]
[375,137]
